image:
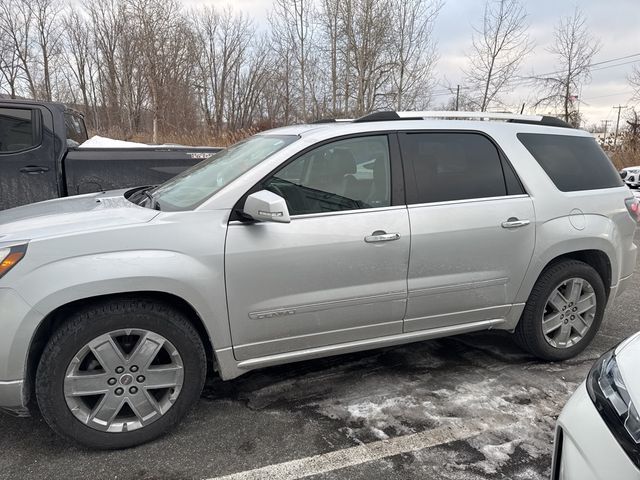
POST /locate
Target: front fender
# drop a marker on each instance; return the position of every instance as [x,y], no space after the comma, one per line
[53,285]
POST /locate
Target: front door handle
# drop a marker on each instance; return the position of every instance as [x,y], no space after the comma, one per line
[34,169]
[513,222]
[381,236]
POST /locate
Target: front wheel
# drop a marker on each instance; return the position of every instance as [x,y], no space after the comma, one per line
[564,311]
[119,374]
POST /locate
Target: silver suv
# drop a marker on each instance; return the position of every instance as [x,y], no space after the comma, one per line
[303,242]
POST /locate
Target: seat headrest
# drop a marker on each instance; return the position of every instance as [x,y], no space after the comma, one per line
[341,162]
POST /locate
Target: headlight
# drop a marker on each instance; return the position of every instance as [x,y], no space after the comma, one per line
[611,397]
[10,256]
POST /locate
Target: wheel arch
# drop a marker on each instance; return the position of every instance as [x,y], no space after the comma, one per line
[598,258]
[53,320]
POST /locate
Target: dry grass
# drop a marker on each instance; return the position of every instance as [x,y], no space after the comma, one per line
[627,158]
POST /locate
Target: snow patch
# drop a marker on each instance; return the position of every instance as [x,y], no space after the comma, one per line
[103,142]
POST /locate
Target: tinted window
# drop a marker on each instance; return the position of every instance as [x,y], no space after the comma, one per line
[76,130]
[454,166]
[572,163]
[16,130]
[344,175]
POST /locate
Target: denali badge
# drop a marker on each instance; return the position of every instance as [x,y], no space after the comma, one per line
[200,155]
[277,313]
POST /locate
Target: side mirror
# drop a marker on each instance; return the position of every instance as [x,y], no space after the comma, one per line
[266,206]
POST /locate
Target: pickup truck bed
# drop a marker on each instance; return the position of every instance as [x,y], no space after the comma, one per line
[94,170]
[39,158]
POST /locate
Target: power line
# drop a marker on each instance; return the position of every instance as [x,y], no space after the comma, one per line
[532,80]
[627,92]
[594,64]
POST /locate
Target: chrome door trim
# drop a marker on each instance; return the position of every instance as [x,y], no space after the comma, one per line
[340,212]
[458,287]
[359,345]
[322,306]
[468,200]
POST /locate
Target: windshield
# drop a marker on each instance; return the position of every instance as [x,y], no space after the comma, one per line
[195,185]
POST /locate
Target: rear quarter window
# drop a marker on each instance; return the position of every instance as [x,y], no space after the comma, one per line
[572,163]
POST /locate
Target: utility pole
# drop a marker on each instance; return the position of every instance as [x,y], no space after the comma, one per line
[604,138]
[615,137]
[457,98]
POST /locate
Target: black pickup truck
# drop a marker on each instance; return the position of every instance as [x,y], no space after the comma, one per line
[40,158]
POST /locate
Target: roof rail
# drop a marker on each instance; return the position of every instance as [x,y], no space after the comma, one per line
[509,117]
[331,120]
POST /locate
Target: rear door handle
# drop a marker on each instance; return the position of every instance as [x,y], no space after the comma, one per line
[513,222]
[34,169]
[381,236]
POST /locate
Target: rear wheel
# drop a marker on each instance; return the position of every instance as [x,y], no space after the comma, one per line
[119,374]
[563,312]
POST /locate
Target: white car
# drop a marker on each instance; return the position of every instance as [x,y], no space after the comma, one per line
[598,432]
[631,176]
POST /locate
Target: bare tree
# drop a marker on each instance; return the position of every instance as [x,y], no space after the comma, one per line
[574,47]
[9,66]
[15,23]
[498,48]
[634,80]
[292,35]
[331,28]
[416,50]
[165,42]
[48,34]
[368,32]
[78,52]
[223,41]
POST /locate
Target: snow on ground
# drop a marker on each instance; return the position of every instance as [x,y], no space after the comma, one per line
[420,387]
[103,142]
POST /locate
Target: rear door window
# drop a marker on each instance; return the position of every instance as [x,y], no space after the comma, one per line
[17,131]
[572,163]
[455,166]
[76,130]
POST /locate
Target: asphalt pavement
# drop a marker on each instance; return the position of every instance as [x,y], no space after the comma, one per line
[468,407]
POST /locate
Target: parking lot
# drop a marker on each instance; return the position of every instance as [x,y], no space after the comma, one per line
[470,407]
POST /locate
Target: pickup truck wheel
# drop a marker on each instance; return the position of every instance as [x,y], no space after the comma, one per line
[563,312]
[120,373]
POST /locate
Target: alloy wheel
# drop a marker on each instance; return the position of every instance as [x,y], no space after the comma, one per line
[123,380]
[569,313]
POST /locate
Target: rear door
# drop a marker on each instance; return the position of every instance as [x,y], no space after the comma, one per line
[472,229]
[27,156]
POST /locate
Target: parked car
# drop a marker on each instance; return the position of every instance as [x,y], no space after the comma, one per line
[40,158]
[598,432]
[303,242]
[631,176]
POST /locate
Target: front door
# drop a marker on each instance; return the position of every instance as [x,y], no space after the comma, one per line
[27,157]
[338,271]
[472,230]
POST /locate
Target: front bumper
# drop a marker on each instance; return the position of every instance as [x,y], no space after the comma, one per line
[585,448]
[18,322]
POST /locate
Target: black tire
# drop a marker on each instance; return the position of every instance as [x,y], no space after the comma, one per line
[529,334]
[100,318]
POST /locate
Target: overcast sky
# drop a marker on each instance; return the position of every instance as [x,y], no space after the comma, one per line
[615,22]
